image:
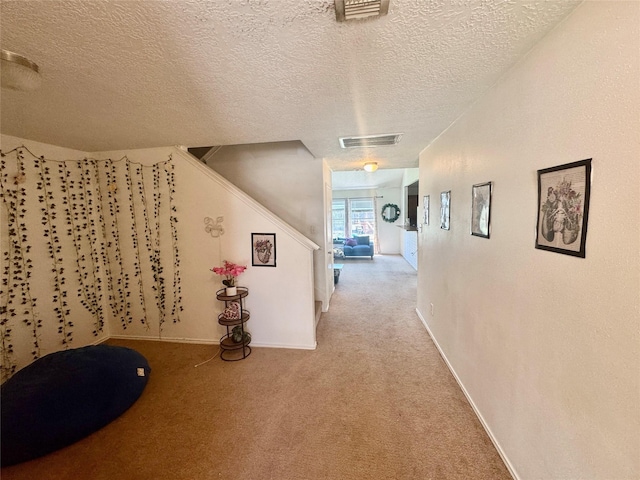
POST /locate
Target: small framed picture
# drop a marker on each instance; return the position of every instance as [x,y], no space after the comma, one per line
[480,209]
[563,208]
[426,209]
[263,248]
[445,212]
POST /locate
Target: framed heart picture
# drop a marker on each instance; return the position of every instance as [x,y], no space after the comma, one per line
[263,246]
[563,208]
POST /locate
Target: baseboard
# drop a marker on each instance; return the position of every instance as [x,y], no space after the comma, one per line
[198,341]
[292,347]
[506,461]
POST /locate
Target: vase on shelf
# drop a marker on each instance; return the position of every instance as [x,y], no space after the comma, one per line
[231,291]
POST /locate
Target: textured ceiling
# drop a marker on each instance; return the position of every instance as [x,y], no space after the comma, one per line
[359,179]
[134,74]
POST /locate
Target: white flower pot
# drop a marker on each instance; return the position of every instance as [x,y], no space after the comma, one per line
[231,291]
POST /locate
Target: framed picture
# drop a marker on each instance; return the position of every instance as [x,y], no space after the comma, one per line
[480,209]
[263,248]
[426,209]
[445,200]
[563,208]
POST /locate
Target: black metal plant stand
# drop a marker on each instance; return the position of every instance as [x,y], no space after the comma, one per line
[230,350]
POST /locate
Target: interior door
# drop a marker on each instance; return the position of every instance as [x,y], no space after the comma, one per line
[328,244]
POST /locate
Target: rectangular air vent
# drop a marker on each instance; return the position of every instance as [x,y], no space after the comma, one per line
[370,140]
[355,9]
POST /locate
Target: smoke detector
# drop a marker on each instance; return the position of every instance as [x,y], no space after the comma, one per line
[356,9]
[370,140]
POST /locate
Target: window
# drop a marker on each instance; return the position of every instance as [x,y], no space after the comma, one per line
[353,216]
[339,218]
[362,217]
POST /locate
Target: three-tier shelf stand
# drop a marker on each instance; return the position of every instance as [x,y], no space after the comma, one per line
[230,350]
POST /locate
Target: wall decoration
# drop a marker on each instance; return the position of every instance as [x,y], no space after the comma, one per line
[563,208]
[445,212]
[88,218]
[157,266]
[50,232]
[119,306]
[390,212]
[215,228]
[480,209]
[103,256]
[177,306]
[426,201]
[135,242]
[19,306]
[232,311]
[263,247]
[107,204]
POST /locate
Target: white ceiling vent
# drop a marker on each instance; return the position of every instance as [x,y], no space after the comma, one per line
[370,140]
[354,9]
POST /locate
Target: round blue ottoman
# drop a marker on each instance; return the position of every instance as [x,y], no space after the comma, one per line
[65,396]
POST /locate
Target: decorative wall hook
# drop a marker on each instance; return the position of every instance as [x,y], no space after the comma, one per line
[214,228]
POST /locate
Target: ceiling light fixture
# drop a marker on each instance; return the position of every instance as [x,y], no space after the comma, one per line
[18,72]
[370,167]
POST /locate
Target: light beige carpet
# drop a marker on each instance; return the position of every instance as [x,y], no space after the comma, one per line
[374,401]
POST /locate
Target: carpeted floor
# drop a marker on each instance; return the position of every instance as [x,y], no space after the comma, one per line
[374,401]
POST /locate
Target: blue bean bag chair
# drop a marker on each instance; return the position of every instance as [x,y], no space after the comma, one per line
[65,396]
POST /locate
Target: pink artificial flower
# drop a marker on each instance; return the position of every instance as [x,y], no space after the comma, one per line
[230,271]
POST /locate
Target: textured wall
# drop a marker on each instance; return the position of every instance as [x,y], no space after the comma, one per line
[285,178]
[199,193]
[30,327]
[203,193]
[91,249]
[546,345]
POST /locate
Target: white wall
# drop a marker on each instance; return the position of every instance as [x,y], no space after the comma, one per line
[8,142]
[281,299]
[409,238]
[49,339]
[202,193]
[546,345]
[286,179]
[329,284]
[390,234]
[410,175]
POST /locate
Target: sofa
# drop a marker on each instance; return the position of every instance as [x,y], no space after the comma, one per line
[358,246]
